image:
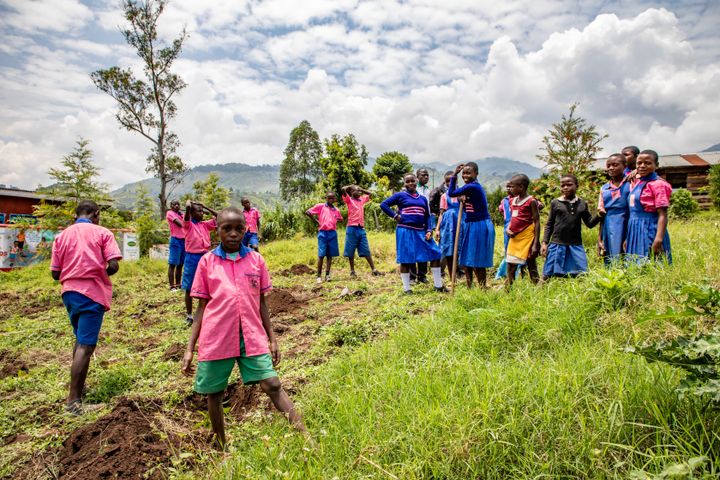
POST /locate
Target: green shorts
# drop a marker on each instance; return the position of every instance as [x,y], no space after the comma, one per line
[212,376]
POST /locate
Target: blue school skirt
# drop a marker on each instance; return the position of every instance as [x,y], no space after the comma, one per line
[563,260]
[613,235]
[478,244]
[411,246]
[191,263]
[642,228]
[448,227]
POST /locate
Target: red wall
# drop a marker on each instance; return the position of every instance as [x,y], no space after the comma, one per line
[10,205]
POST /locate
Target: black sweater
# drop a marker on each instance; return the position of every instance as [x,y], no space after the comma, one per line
[563,224]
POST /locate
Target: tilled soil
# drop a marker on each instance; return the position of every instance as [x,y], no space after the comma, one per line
[10,365]
[299,269]
[284,300]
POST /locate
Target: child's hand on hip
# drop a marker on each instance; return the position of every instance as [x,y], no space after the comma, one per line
[275,352]
[187,368]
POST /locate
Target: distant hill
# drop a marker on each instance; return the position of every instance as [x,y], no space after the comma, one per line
[714,148]
[261,182]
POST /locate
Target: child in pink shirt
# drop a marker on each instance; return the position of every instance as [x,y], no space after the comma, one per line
[326,215]
[252,220]
[232,324]
[176,258]
[355,237]
[197,243]
[83,258]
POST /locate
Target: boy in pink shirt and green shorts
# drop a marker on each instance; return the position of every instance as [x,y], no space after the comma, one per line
[232,324]
[84,256]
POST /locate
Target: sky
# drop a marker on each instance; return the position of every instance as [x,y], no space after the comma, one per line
[439,80]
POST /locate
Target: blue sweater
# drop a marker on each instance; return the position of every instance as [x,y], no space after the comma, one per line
[413,209]
[476,206]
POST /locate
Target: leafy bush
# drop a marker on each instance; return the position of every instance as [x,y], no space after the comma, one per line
[286,222]
[494,199]
[612,289]
[714,185]
[682,204]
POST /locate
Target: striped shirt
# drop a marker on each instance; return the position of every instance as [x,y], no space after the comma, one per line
[476,206]
[413,209]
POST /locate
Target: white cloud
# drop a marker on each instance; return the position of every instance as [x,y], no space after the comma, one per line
[50,15]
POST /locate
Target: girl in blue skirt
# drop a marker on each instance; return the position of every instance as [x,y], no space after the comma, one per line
[446,228]
[614,202]
[413,237]
[647,235]
[562,243]
[477,241]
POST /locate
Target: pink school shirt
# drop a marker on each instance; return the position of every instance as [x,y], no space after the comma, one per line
[327,216]
[356,209]
[252,217]
[656,194]
[175,230]
[197,235]
[80,253]
[233,290]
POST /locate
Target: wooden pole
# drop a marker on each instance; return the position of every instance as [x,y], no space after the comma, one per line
[455,245]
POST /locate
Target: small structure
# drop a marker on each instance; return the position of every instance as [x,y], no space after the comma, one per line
[16,203]
[687,170]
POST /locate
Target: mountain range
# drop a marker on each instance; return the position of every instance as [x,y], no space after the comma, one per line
[261,182]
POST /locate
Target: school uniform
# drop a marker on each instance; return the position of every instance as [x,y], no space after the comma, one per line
[328,216]
[504,209]
[410,243]
[177,238]
[614,200]
[522,225]
[566,255]
[252,218]
[197,243]
[232,330]
[478,233]
[647,195]
[448,224]
[355,236]
[81,253]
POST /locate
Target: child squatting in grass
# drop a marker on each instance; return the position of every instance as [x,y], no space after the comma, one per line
[232,324]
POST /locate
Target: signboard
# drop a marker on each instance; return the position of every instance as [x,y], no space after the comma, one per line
[130,246]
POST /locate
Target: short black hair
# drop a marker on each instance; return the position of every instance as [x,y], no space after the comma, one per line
[449,172]
[632,148]
[570,176]
[409,175]
[86,207]
[522,179]
[234,210]
[472,165]
[244,199]
[620,156]
[653,154]
[422,169]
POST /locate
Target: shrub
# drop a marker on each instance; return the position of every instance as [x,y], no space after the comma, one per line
[714,185]
[682,204]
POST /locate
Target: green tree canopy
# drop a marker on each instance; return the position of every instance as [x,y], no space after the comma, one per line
[210,193]
[300,167]
[344,164]
[392,166]
[145,105]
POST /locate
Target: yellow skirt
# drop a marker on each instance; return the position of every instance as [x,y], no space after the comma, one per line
[518,249]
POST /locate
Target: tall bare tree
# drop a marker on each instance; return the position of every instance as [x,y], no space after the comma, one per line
[145,104]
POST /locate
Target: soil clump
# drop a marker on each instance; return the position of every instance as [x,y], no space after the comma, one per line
[10,365]
[282,300]
[298,269]
[175,352]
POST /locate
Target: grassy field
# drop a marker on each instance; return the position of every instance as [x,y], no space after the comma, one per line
[483,384]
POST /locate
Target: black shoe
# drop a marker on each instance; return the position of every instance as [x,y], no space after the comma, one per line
[422,280]
[408,292]
[376,273]
[442,289]
[189,320]
[353,274]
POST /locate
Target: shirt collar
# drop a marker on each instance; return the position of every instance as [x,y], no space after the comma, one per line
[649,178]
[83,220]
[220,251]
[562,198]
[329,206]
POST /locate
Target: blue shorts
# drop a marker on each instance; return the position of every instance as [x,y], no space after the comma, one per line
[328,244]
[250,238]
[356,239]
[86,317]
[191,263]
[177,251]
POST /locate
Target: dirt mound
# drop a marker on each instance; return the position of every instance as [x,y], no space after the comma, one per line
[122,444]
[175,352]
[27,304]
[299,269]
[10,365]
[238,398]
[282,300]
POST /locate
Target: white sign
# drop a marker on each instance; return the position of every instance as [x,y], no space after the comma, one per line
[130,246]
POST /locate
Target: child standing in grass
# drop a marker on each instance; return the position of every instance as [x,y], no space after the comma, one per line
[197,243]
[176,258]
[647,235]
[447,225]
[478,234]
[504,209]
[326,215]
[252,220]
[84,256]
[413,236]
[614,202]
[562,242]
[523,230]
[232,324]
[355,237]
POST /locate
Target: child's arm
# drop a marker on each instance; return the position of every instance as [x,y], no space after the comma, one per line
[661,228]
[549,227]
[112,266]
[365,191]
[535,248]
[265,315]
[194,334]
[346,190]
[313,216]
[588,219]
[209,210]
[188,206]
[386,207]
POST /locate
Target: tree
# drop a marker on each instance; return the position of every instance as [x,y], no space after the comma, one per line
[714,185]
[210,193]
[146,105]
[392,165]
[300,168]
[74,181]
[344,164]
[146,226]
[571,145]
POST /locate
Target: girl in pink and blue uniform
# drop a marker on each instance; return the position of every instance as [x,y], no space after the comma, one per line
[413,236]
[647,235]
[614,202]
[478,233]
